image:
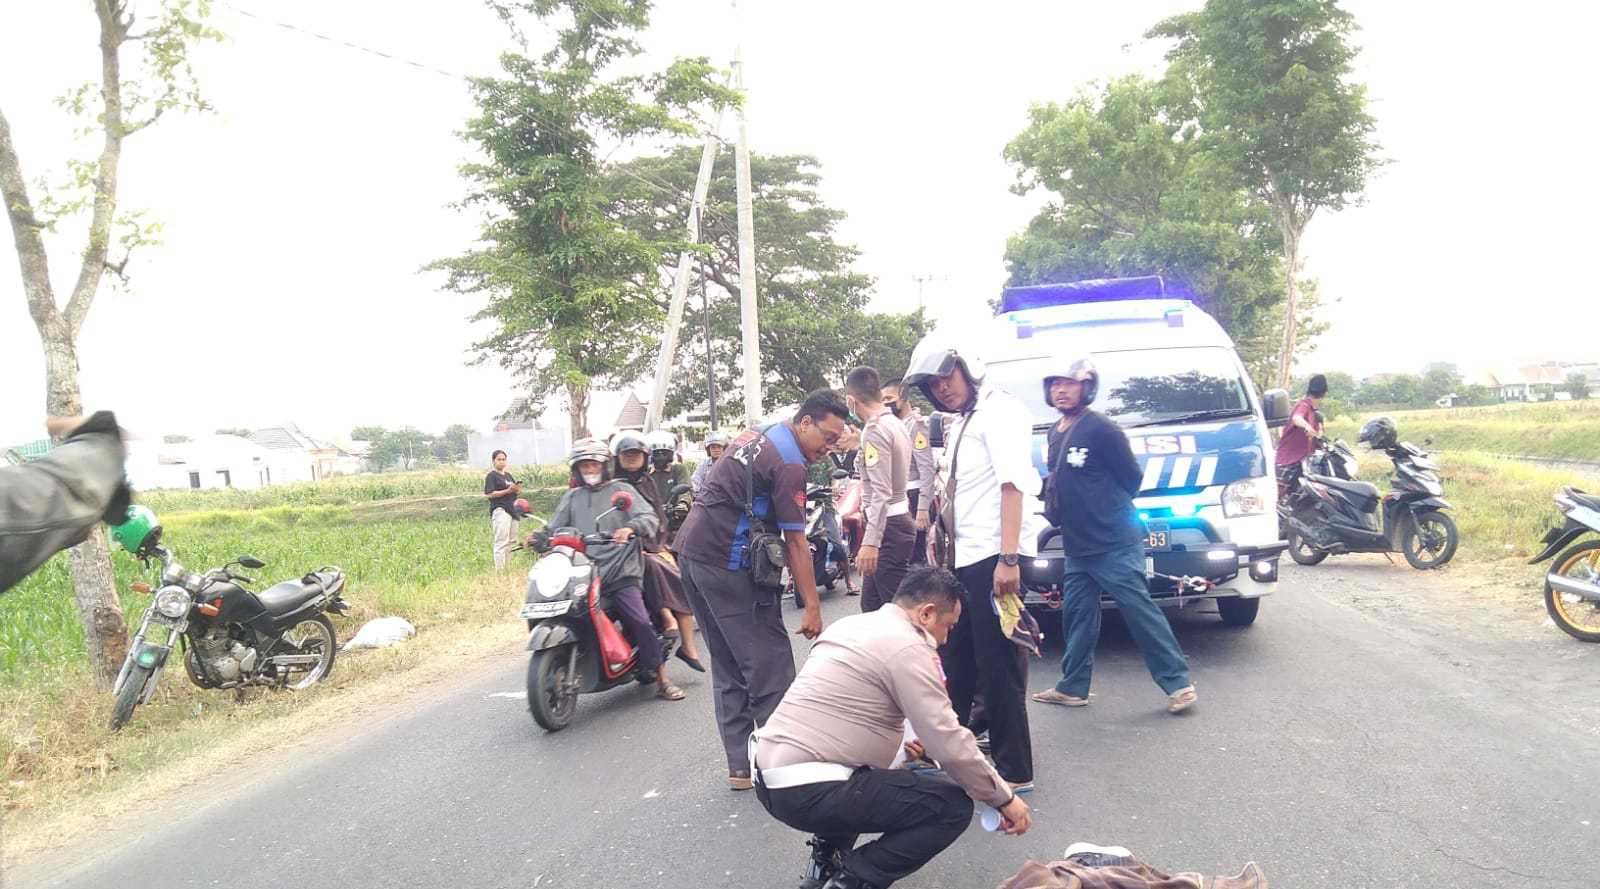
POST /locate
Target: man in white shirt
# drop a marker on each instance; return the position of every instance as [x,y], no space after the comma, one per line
[990,451]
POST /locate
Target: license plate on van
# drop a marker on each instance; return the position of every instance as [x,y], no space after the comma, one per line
[1158,537]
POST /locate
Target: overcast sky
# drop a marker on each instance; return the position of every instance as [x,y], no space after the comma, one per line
[298,215]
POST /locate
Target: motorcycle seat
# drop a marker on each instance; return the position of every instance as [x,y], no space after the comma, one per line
[1365,489]
[285,597]
[1592,501]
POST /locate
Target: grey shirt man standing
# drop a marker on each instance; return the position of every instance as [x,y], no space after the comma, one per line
[889,534]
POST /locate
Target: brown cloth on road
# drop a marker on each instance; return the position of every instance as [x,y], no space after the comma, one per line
[1134,875]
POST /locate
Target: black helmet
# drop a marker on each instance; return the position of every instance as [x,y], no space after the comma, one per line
[1380,433]
[628,440]
[1082,370]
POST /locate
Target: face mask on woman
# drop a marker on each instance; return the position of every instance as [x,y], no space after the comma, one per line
[592,478]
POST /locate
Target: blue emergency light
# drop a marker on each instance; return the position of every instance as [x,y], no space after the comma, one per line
[1100,290]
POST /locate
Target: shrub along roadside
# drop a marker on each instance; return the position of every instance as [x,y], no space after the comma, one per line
[1551,431]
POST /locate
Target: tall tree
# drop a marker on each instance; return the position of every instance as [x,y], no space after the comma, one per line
[814,320]
[1275,96]
[571,291]
[1135,191]
[120,105]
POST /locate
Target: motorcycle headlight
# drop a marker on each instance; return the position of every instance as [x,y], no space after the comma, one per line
[1250,496]
[550,577]
[173,602]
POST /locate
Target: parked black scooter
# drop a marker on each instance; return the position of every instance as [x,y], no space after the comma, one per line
[1572,587]
[1326,513]
[830,558]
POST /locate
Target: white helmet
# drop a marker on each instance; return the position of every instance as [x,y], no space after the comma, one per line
[662,440]
[938,354]
[588,449]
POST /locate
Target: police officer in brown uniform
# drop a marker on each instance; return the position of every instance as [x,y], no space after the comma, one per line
[924,465]
[885,467]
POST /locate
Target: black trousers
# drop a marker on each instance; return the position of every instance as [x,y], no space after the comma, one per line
[894,560]
[980,660]
[919,548]
[919,815]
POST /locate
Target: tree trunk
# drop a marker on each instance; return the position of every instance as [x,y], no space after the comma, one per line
[578,409]
[1291,298]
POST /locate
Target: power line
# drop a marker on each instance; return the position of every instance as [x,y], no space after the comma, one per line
[392,57]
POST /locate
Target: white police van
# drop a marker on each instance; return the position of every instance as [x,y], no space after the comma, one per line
[1171,378]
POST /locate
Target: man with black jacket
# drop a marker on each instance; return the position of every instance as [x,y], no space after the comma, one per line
[1093,479]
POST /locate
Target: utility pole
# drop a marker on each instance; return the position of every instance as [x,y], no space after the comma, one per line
[924,279]
[711,367]
[747,255]
[680,286]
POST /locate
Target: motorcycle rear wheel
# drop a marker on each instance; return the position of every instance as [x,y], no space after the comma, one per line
[1439,548]
[314,635]
[128,697]
[1579,619]
[549,702]
[1302,552]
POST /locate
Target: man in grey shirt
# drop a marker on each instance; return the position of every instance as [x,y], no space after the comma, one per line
[822,762]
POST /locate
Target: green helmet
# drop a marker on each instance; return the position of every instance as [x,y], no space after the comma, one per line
[139,531]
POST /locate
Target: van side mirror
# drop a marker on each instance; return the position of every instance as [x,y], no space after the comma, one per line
[936,431]
[1276,405]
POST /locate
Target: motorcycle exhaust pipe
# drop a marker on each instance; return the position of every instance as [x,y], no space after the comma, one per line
[1582,588]
[295,660]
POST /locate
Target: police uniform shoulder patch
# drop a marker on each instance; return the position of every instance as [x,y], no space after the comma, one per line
[869,453]
[921,441]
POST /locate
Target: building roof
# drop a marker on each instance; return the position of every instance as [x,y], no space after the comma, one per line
[633,413]
[287,437]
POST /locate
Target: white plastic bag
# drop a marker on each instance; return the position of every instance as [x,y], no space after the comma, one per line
[381,632]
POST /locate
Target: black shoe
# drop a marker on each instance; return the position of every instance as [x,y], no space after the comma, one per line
[825,861]
[846,880]
[693,662]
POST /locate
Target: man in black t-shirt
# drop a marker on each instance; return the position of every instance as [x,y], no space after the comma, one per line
[752,663]
[502,491]
[1093,480]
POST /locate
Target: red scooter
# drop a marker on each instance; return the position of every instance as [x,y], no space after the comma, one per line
[576,640]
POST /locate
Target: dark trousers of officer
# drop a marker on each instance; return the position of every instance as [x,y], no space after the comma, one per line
[751,661]
[979,659]
[919,815]
[919,547]
[894,560]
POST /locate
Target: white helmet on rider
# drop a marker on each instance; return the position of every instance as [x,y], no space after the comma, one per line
[591,450]
[939,353]
[663,447]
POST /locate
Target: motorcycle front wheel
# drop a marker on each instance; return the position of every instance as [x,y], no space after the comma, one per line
[1304,553]
[1579,617]
[128,696]
[549,700]
[1429,540]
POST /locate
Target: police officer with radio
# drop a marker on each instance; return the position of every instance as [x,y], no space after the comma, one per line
[919,487]
[1089,497]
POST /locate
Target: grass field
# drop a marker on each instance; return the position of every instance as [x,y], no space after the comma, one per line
[1562,430]
[412,544]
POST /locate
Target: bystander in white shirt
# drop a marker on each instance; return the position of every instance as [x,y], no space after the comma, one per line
[996,450]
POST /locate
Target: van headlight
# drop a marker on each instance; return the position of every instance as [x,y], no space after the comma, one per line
[1250,496]
[173,602]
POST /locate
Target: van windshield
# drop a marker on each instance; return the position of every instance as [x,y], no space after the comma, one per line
[1140,388]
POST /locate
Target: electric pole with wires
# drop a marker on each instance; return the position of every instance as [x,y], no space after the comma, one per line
[747,255]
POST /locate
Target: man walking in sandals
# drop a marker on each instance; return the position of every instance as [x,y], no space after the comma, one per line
[1089,497]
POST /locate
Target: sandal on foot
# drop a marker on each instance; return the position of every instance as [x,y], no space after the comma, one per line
[1052,696]
[669,692]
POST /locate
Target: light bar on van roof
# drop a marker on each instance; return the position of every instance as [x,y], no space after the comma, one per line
[1036,296]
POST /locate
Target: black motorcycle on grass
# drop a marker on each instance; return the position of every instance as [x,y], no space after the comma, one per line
[1326,512]
[231,636]
[1572,586]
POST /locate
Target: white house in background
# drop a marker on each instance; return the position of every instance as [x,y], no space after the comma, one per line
[327,459]
[215,461]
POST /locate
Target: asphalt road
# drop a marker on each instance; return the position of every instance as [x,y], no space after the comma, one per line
[1369,731]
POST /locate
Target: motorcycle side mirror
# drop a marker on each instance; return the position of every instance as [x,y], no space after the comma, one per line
[677,491]
[251,562]
[621,500]
[839,474]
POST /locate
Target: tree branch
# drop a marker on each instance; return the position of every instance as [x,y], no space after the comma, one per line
[114,25]
[25,230]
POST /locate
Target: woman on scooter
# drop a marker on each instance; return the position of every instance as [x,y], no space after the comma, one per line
[663,586]
[621,564]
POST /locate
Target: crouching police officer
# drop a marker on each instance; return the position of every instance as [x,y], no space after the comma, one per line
[822,762]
